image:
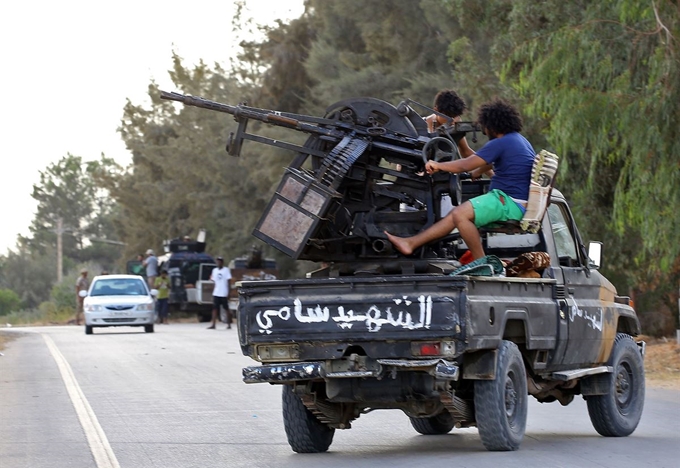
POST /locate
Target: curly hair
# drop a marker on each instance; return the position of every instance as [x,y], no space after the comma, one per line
[449,103]
[500,117]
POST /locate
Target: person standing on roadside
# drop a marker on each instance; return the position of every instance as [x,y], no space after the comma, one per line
[162,284]
[151,264]
[220,276]
[82,284]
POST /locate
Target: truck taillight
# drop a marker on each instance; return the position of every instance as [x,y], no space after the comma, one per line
[429,349]
[273,353]
[433,348]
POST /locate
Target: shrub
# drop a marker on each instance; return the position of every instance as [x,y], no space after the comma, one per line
[9,301]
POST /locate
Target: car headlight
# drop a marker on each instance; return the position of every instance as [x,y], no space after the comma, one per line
[145,306]
[93,308]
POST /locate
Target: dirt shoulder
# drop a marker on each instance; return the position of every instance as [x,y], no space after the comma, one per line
[5,338]
[662,363]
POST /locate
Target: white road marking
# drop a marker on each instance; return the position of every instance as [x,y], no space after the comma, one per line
[99,444]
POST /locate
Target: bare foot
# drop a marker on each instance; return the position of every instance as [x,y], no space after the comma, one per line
[402,244]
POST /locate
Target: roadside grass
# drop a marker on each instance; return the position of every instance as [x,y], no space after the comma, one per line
[46,314]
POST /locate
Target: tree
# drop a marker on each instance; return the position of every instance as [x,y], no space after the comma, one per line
[181,180]
[65,195]
[607,78]
[354,55]
[275,64]
[604,77]
[9,301]
[29,274]
[74,210]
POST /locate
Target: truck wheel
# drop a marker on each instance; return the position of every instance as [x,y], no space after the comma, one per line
[305,433]
[501,403]
[88,329]
[148,328]
[434,425]
[617,412]
[202,318]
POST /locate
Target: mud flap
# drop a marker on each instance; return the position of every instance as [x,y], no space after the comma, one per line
[480,365]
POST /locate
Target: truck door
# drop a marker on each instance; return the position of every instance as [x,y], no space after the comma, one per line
[204,287]
[580,307]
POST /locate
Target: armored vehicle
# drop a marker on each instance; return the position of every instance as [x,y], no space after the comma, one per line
[189,269]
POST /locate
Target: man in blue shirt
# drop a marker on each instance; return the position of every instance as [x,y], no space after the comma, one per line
[510,156]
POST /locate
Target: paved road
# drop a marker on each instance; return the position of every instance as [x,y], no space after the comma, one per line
[175,398]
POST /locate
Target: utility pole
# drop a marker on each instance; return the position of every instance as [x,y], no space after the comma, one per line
[60,231]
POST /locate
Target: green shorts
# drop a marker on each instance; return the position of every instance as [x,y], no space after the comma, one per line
[495,206]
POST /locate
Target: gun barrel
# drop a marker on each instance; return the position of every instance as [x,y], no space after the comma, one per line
[263,115]
[195,101]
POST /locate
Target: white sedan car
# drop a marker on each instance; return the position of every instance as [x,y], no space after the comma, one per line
[119,300]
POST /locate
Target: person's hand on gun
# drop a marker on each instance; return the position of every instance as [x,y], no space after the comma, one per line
[431,167]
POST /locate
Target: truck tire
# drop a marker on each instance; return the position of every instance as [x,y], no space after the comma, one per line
[501,404]
[148,328]
[88,329]
[305,433]
[617,412]
[434,425]
[204,317]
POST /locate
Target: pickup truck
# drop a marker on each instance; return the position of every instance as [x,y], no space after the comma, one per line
[423,333]
[449,350]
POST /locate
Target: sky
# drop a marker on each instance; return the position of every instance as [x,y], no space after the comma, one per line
[68,67]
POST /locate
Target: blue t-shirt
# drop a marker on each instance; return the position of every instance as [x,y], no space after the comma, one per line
[512,157]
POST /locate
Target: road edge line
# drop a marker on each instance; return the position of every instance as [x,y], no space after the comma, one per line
[96,438]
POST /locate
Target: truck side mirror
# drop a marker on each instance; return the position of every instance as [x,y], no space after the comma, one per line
[595,254]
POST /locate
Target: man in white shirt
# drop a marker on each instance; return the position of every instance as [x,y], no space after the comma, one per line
[220,276]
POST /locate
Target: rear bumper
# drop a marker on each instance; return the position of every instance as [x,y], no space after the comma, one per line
[302,371]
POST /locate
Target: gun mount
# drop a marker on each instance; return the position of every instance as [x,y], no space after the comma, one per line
[344,188]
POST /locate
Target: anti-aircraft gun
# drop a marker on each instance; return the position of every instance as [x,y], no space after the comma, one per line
[358,174]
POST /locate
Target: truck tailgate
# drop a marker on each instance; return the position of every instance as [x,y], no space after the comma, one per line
[350,309]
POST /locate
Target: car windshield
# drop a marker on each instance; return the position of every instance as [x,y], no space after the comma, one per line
[119,287]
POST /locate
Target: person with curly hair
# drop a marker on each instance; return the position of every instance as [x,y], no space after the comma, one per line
[447,103]
[510,156]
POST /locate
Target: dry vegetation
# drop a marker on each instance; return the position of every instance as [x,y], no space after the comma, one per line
[662,363]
